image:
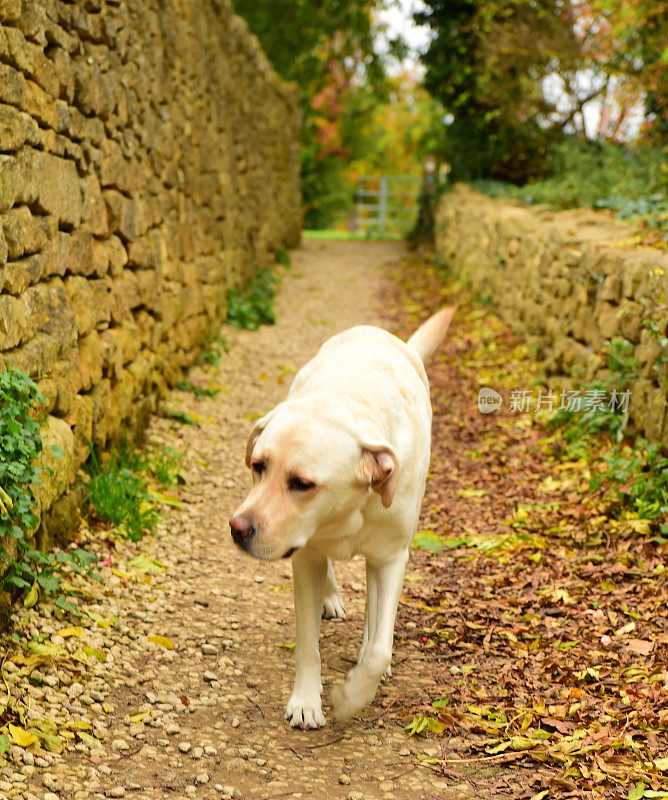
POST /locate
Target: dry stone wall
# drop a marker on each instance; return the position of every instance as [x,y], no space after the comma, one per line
[148,161]
[567,282]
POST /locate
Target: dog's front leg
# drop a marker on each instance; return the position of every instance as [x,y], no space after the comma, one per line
[309,571]
[386,580]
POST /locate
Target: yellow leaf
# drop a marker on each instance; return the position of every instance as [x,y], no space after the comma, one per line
[541,795]
[79,725]
[32,597]
[139,716]
[661,764]
[162,641]
[73,631]
[285,646]
[21,738]
[471,492]
[641,526]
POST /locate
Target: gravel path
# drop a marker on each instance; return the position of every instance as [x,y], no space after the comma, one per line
[206,719]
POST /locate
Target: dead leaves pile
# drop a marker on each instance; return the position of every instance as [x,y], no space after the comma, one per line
[545,620]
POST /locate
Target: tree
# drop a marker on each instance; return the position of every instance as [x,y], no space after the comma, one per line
[486,64]
[327,48]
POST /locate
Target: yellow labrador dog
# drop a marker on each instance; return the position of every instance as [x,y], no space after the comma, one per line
[339,468]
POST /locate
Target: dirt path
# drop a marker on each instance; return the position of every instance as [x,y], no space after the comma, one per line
[206,718]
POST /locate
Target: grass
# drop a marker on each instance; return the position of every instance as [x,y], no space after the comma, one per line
[118,489]
[351,236]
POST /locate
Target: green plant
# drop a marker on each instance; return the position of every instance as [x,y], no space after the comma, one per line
[165,463]
[118,494]
[179,416]
[198,391]
[28,569]
[210,357]
[628,181]
[640,480]
[252,307]
[282,257]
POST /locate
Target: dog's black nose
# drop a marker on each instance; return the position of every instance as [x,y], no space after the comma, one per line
[242,529]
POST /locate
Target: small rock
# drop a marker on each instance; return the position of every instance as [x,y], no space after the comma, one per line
[344,780]
[404,751]
[120,745]
[210,676]
[235,722]
[51,796]
[191,790]
[247,752]
[172,729]
[184,747]
[197,752]
[355,796]
[210,751]
[209,649]
[117,791]
[202,777]
[75,690]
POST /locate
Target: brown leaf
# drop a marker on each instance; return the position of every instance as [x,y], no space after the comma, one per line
[640,646]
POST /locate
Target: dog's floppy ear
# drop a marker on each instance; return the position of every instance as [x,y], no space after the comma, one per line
[378,468]
[259,426]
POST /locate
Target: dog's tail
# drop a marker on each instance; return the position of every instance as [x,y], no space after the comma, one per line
[428,336]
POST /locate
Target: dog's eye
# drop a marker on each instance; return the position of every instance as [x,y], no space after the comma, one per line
[296,484]
[258,467]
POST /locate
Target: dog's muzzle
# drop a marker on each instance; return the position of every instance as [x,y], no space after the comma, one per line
[242,530]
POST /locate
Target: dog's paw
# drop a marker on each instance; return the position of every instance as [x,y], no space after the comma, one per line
[350,697]
[333,607]
[305,713]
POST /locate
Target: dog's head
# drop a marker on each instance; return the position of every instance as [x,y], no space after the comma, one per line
[310,469]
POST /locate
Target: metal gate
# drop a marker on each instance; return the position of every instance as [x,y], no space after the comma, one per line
[386,203]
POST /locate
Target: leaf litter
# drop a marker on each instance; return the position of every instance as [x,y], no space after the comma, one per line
[544,617]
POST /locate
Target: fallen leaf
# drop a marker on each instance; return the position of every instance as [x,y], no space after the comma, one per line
[72,631]
[21,737]
[161,641]
[640,646]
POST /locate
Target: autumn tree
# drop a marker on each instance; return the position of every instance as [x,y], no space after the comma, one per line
[327,47]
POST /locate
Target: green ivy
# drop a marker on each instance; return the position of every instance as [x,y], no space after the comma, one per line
[30,570]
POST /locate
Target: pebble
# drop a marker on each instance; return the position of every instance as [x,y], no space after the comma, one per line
[355,796]
[210,751]
[75,690]
[51,796]
[209,649]
[235,722]
[404,751]
[197,752]
[344,780]
[210,676]
[172,729]
[202,777]
[117,791]
[120,745]
[184,747]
